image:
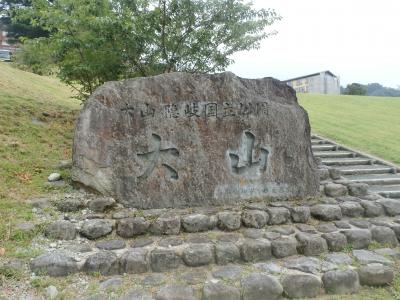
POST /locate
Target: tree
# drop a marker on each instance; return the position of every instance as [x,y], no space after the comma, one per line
[355,89]
[99,40]
[18,28]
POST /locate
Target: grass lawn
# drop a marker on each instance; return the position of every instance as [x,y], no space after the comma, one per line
[37,117]
[369,124]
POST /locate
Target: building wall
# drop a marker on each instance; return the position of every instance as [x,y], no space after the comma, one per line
[323,83]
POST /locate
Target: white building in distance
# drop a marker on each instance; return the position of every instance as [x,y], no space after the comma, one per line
[318,83]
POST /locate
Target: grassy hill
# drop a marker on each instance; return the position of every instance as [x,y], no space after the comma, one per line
[37,117]
[36,126]
[370,124]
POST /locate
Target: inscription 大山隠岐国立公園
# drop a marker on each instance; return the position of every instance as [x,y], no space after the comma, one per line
[244,161]
[215,110]
[200,109]
[154,156]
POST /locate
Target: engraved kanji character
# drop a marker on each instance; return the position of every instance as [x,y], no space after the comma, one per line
[171,111]
[228,110]
[156,157]
[192,110]
[210,110]
[148,111]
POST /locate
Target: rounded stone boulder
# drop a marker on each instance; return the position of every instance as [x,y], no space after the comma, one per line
[335,190]
[111,244]
[375,275]
[175,292]
[134,261]
[54,264]
[358,238]
[226,252]
[253,250]
[326,212]
[384,235]
[372,209]
[284,246]
[101,204]
[96,228]
[196,223]
[311,244]
[301,285]
[254,218]
[104,262]
[130,227]
[166,226]
[162,260]
[341,282]
[358,189]
[70,205]
[260,286]
[278,215]
[54,177]
[336,241]
[61,230]
[198,255]
[391,206]
[300,214]
[229,220]
[220,291]
[352,209]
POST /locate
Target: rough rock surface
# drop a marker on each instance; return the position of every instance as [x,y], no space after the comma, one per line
[61,230]
[220,291]
[134,261]
[200,139]
[326,212]
[93,229]
[260,286]
[197,255]
[104,262]
[301,285]
[341,282]
[54,264]
[375,275]
[176,292]
[256,250]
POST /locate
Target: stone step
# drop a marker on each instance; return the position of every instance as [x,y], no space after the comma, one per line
[317,142]
[365,169]
[375,179]
[129,223]
[388,191]
[243,248]
[334,154]
[296,277]
[324,147]
[346,161]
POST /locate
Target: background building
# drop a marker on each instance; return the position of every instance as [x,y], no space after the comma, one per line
[318,83]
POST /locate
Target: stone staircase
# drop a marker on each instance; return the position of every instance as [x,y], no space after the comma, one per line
[382,177]
[345,238]
[294,249]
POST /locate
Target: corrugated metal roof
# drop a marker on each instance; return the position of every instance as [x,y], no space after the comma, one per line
[311,75]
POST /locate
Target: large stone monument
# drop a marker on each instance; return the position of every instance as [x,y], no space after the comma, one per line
[179,140]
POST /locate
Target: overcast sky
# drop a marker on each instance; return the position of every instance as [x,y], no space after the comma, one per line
[358,40]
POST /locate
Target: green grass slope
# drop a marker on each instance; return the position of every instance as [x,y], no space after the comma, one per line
[37,116]
[36,127]
[369,124]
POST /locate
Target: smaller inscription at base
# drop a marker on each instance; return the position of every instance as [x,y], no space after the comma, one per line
[253,190]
